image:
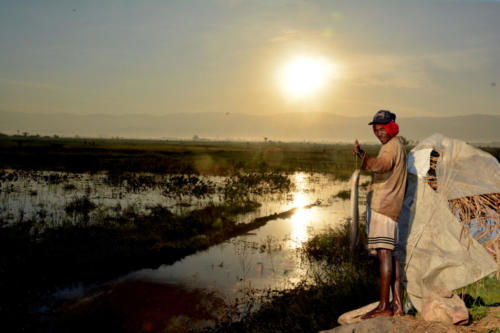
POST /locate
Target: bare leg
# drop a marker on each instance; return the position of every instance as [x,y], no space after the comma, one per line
[384,307]
[397,297]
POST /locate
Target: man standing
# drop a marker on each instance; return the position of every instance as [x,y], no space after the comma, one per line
[385,200]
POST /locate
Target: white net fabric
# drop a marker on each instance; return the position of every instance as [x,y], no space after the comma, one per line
[436,253]
[462,169]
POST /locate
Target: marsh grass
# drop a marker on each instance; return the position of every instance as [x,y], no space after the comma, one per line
[241,186]
[84,198]
[175,157]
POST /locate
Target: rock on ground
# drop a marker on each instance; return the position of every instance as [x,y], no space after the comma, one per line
[378,324]
[445,307]
[354,316]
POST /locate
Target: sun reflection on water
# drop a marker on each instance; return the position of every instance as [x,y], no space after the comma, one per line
[301,219]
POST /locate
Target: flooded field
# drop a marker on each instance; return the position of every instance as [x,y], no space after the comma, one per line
[266,257]
[296,206]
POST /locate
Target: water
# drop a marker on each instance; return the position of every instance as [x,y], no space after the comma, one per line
[266,258]
[28,195]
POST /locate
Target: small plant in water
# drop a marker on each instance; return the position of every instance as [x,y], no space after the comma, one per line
[81,205]
[344,194]
[69,187]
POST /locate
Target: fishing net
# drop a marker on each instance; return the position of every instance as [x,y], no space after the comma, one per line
[450,220]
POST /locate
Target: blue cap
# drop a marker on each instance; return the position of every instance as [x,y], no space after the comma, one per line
[383,117]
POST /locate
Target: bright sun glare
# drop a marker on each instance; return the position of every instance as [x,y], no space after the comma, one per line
[305,76]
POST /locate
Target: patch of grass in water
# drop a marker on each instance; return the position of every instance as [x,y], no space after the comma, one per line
[365,184]
[80,205]
[238,187]
[344,194]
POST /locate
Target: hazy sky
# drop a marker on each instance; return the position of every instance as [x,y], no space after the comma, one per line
[159,57]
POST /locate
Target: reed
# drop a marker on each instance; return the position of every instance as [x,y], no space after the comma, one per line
[480,213]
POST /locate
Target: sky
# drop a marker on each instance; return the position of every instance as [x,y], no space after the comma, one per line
[416,58]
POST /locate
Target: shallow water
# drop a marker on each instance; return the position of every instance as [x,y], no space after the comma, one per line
[27,195]
[266,258]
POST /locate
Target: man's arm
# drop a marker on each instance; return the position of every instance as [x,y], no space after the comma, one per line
[381,164]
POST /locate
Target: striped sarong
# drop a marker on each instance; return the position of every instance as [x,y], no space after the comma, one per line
[382,232]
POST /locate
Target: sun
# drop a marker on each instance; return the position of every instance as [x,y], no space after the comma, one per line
[303,76]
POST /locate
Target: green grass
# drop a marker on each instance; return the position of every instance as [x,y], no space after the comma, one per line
[479,296]
[486,289]
[478,312]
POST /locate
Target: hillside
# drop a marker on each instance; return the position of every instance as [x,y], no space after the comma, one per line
[287,127]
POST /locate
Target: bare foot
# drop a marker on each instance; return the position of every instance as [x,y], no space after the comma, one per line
[378,311]
[397,309]
[398,313]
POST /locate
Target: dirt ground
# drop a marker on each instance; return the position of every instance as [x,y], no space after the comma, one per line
[490,323]
[415,324]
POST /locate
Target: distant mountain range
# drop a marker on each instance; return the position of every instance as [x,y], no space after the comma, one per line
[318,127]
